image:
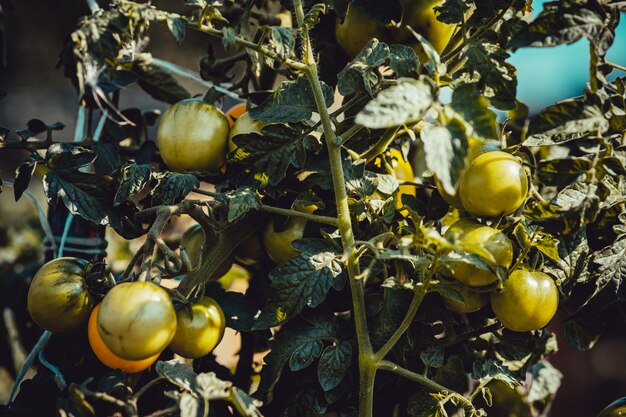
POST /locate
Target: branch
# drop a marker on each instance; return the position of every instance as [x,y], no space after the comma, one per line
[420,379]
[293,213]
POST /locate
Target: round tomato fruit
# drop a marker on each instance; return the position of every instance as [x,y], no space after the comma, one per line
[494,184]
[58,298]
[615,409]
[278,243]
[472,301]
[356,30]
[528,301]
[243,126]
[137,320]
[250,251]
[486,242]
[235,113]
[104,354]
[403,171]
[198,335]
[193,136]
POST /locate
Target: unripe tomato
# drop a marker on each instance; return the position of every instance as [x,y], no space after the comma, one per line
[472,301]
[420,15]
[528,301]
[193,136]
[137,320]
[243,126]
[475,238]
[198,335]
[235,113]
[104,354]
[58,297]
[403,171]
[356,31]
[615,409]
[250,252]
[278,244]
[494,184]
[193,241]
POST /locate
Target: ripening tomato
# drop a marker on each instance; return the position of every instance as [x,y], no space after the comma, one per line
[421,16]
[472,301]
[494,184]
[58,298]
[528,301]
[615,409]
[235,113]
[198,335]
[137,320]
[486,242]
[193,136]
[244,125]
[104,354]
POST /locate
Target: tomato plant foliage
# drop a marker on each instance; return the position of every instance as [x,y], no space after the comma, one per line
[355,322]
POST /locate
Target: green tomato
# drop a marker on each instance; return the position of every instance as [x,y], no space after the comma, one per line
[472,301]
[356,30]
[137,320]
[528,301]
[421,16]
[193,136]
[484,241]
[58,298]
[243,126]
[615,409]
[494,184]
[198,335]
[278,244]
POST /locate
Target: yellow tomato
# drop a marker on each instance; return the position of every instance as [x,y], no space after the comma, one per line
[356,30]
[472,301]
[403,172]
[198,334]
[278,243]
[243,126]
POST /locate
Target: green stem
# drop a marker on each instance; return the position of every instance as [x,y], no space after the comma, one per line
[293,213]
[410,375]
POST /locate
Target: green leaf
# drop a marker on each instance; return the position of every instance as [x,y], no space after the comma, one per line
[491,369]
[23,175]
[159,83]
[282,42]
[485,65]
[546,381]
[301,281]
[335,361]
[172,187]
[563,171]
[445,149]
[240,202]
[360,76]
[305,354]
[179,374]
[562,122]
[67,157]
[403,60]
[133,179]
[583,332]
[469,103]
[452,374]
[292,102]
[452,11]
[320,326]
[177,26]
[108,159]
[403,103]
[432,356]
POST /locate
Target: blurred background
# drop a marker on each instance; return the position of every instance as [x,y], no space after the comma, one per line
[33,32]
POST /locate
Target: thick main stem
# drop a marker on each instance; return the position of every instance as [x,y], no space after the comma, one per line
[367,369]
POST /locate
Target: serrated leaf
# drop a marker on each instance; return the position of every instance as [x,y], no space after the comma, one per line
[210,387]
[562,122]
[403,103]
[107,159]
[432,356]
[133,179]
[159,83]
[491,369]
[583,332]
[292,102]
[179,374]
[452,11]
[241,201]
[469,103]
[334,363]
[403,60]
[360,76]
[301,281]
[23,175]
[305,354]
[177,26]
[445,149]
[563,171]
[546,381]
[67,157]
[172,187]
[282,42]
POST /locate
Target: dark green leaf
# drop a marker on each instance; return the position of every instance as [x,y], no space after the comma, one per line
[403,103]
[108,159]
[133,179]
[177,25]
[241,201]
[563,171]
[171,187]
[360,76]
[445,149]
[452,11]
[432,356]
[583,332]
[491,369]
[403,60]
[179,374]
[335,361]
[305,354]
[282,42]
[469,103]
[67,157]
[23,174]
[159,83]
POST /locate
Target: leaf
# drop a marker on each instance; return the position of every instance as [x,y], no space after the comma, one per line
[565,22]
[432,356]
[210,387]
[563,171]
[301,281]
[305,354]
[403,60]
[452,11]
[240,202]
[281,42]
[23,175]
[583,332]
[36,126]
[445,149]
[292,102]
[360,76]
[403,103]
[177,26]
[491,369]
[107,160]
[239,311]
[321,325]
[546,381]
[172,187]
[159,83]
[67,157]
[469,103]
[562,122]
[133,179]
[179,374]
[487,67]
[335,361]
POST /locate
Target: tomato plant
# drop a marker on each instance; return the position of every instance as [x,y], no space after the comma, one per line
[198,333]
[58,297]
[382,184]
